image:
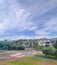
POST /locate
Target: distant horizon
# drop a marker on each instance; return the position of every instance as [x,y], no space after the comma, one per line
[25,39]
[26,19]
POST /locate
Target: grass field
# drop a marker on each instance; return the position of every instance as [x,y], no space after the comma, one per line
[28,61]
[49,57]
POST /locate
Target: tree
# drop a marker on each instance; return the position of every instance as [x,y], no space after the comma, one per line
[20,48]
[55,45]
[49,51]
[9,47]
[3,46]
[36,46]
[56,53]
[31,45]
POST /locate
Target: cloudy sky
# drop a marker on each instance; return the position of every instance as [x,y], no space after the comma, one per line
[25,19]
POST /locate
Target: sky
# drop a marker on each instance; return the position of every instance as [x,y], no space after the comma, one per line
[28,19]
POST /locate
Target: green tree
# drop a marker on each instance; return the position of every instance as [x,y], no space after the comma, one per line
[49,51]
[3,46]
[20,48]
[56,53]
[55,45]
[9,47]
[36,46]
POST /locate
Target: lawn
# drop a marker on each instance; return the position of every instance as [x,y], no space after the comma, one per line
[49,57]
[28,61]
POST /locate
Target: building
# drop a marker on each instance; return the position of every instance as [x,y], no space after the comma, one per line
[26,44]
[45,42]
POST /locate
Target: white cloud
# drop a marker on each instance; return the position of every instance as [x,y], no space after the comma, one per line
[16,18]
[39,7]
[42,32]
[49,27]
[16,37]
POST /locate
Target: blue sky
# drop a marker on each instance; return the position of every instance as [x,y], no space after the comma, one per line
[25,19]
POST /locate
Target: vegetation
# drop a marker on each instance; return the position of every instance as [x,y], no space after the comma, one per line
[21,48]
[15,45]
[50,51]
[55,45]
[3,46]
[56,53]
[28,61]
[36,46]
[18,45]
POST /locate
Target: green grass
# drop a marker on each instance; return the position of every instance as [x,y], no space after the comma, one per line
[49,57]
[41,55]
[34,61]
[17,62]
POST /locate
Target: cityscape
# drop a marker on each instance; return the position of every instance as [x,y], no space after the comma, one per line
[28,32]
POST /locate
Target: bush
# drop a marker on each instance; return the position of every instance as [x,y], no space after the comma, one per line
[56,53]
[55,45]
[49,51]
[21,48]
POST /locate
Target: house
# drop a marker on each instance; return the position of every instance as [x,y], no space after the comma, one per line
[45,42]
[26,44]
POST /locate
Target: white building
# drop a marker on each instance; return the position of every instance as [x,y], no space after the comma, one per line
[44,42]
